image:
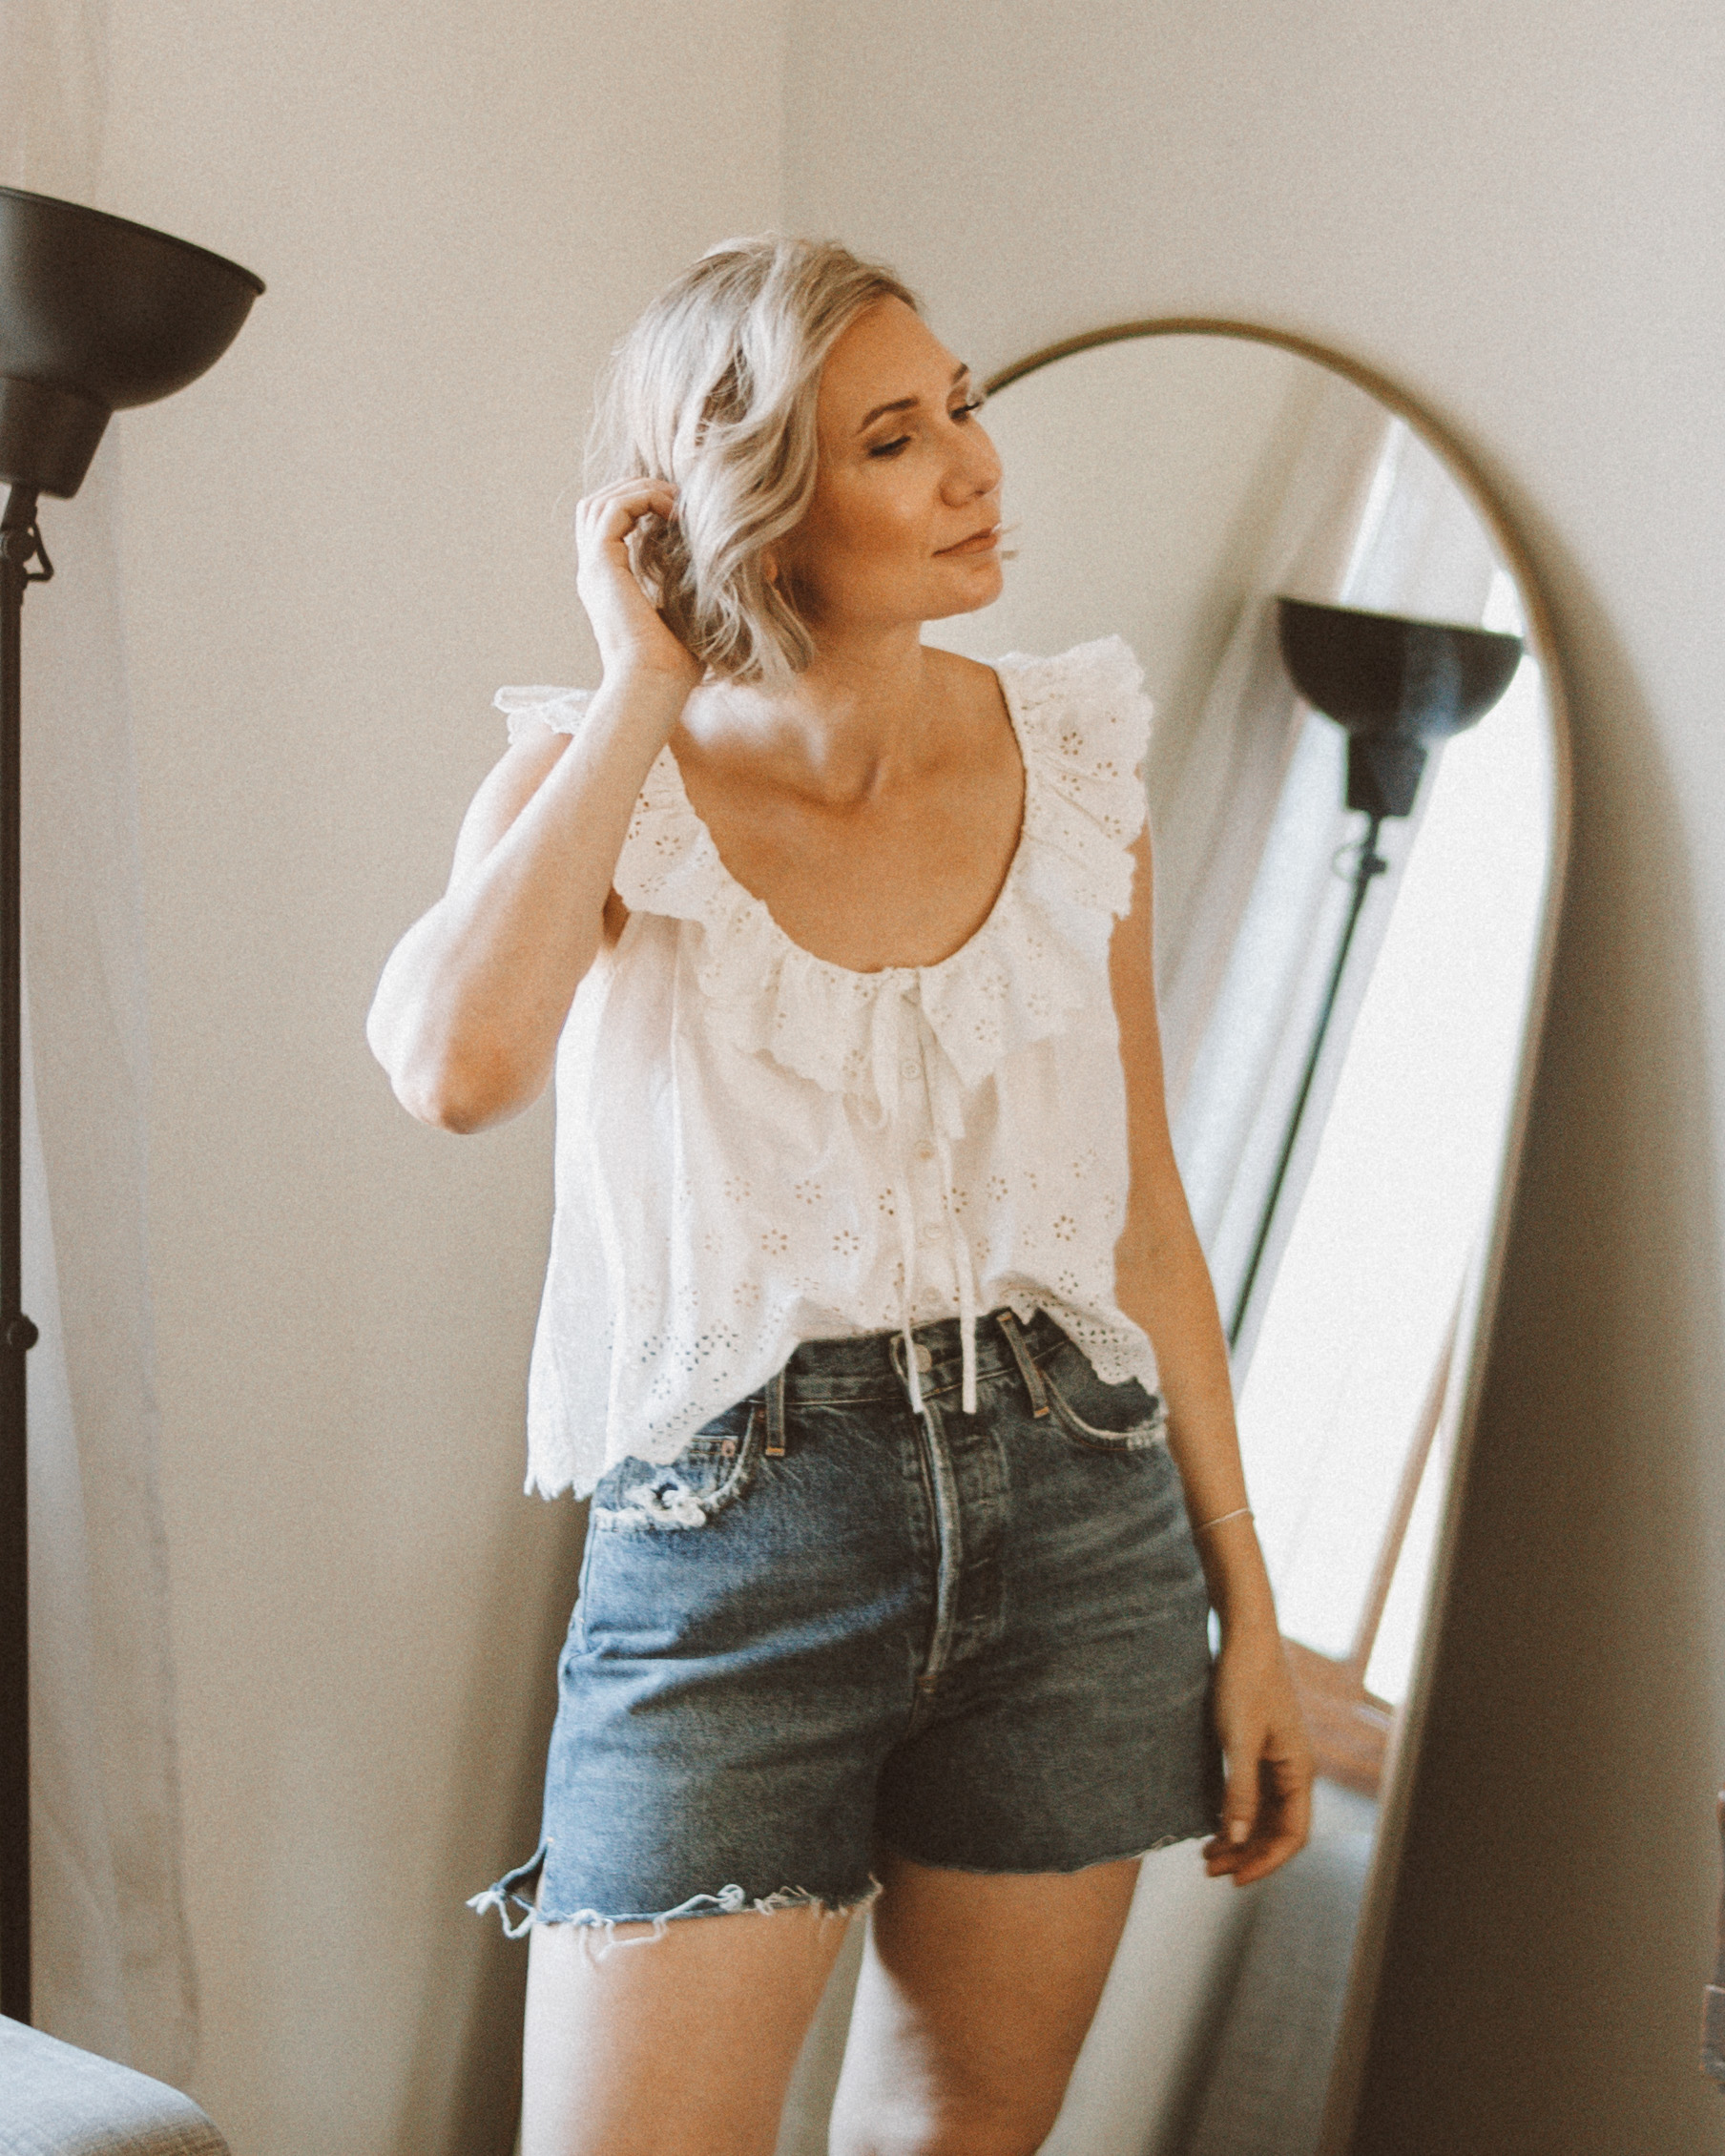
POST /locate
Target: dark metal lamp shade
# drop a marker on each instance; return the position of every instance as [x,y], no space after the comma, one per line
[98,314]
[1396,685]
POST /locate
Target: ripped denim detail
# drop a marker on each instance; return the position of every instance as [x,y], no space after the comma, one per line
[666,1502]
[711,1473]
[729,1901]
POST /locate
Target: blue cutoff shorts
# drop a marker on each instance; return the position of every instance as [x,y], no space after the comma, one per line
[834,1625]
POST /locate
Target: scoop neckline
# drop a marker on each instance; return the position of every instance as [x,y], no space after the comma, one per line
[900,973]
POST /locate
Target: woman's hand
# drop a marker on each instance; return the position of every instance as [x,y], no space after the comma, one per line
[632,637]
[1267,1808]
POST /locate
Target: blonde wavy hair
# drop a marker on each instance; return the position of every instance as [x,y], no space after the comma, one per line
[713,389]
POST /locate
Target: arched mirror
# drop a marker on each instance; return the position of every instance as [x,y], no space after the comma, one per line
[1359,792]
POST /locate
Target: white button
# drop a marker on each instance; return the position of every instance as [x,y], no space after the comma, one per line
[924,1359]
[910,1068]
[925,1152]
[931,1232]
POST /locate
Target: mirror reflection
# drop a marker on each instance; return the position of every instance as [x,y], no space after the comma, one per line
[1348,1001]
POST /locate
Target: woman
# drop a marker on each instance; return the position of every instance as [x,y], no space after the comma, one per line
[866,1221]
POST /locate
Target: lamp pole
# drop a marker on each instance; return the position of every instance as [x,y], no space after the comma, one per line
[1370,863]
[20,546]
[97,314]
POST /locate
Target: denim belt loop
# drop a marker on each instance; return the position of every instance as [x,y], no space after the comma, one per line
[775,1445]
[1026,1367]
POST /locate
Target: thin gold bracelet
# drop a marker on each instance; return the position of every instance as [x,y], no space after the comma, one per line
[1221,1520]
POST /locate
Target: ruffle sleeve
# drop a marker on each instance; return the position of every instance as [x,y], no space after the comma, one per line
[562,710]
[1082,722]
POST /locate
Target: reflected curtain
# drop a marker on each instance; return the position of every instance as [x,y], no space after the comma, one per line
[112,1963]
[1247,826]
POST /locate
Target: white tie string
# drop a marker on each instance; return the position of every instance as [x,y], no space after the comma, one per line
[950,1124]
[946,1106]
[900,1201]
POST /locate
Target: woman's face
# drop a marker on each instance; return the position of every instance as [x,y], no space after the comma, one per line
[904,526]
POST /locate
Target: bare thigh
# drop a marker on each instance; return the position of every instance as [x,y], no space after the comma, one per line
[681,2045]
[976,1993]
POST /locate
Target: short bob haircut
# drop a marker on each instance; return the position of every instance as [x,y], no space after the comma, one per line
[713,389]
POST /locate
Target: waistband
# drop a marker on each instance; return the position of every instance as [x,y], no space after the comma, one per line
[869,1366]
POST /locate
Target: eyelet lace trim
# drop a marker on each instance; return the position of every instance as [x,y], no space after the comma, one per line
[1083,722]
[562,710]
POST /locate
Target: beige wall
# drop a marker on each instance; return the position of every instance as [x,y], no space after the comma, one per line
[1516,214]
[335,548]
[337,545]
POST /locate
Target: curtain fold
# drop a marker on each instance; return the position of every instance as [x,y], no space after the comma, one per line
[1219,819]
[113,1966]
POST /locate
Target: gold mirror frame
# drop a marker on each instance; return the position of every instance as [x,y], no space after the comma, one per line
[1473,1340]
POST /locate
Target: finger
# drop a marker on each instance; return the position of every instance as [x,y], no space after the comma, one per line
[1282,1815]
[1263,1858]
[1296,1806]
[628,497]
[607,540]
[1241,1795]
[634,484]
[1281,1830]
[1287,1789]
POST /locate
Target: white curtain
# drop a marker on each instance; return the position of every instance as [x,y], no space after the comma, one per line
[1229,807]
[112,1963]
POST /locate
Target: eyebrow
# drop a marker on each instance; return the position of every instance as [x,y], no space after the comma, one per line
[909,403]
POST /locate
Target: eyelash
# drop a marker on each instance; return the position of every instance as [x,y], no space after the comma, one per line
[899,441]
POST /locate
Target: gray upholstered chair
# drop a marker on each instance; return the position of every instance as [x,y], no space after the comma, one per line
[58,2101]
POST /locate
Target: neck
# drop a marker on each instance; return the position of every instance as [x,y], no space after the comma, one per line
[850,722]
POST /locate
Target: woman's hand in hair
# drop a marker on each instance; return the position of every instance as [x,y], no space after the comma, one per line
[632,637]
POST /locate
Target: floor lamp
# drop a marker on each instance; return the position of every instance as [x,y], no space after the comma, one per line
[95,314]
[1396,687]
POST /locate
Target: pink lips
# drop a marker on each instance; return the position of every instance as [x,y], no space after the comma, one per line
[978,543]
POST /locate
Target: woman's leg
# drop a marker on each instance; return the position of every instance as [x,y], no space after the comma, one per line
[976,1993]
[681,2045]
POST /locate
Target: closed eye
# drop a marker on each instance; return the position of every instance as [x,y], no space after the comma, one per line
[959,414]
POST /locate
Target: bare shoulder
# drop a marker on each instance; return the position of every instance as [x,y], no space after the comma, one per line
[965,680]
[973,698]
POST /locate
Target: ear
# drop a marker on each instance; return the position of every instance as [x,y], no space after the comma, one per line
[769,565]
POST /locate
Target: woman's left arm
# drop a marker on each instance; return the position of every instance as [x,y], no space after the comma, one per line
[1163,1284]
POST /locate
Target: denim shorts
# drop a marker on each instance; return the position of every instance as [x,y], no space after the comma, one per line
[834,1625]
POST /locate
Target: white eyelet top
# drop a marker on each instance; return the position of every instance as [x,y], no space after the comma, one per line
[757,1148]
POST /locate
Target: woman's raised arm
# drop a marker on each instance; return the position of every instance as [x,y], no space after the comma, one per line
[467,1012]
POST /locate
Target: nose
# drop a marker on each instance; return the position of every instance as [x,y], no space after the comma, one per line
[975,466]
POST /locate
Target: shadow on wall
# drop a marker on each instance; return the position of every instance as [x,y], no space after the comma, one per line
[465,2082]
[1561,1862]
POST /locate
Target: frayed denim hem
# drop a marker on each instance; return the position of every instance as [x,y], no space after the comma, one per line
[517,1887]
